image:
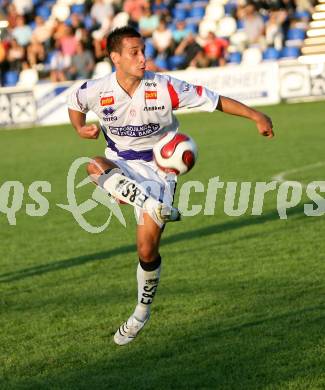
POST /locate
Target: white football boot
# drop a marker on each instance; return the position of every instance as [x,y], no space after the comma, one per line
[129,330]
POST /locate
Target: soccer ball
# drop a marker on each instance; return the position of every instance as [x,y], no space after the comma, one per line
[175,153]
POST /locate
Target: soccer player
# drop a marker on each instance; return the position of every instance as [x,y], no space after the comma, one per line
[135,108]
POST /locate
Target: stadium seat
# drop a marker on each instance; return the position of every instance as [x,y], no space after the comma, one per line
[295,34]
[88,22]
[43,11]
[78,9]
[301,15]
[102,69]
[179,13]
[271,54]
[10,78]
[227,27]
[290,52]
[189,2]
[192,27]
[206,26]
[60,12]
[162,62]
[197,12]
[175,62]
[251,56]
[234,58]
[230,9]
[150,51]
[214,12]
[121,19]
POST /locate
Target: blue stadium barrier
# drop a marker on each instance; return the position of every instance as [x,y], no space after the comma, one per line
[290,52]
[271,53]
[10,78]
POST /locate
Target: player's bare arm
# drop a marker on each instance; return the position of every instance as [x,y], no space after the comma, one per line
[233,107]
[78,121]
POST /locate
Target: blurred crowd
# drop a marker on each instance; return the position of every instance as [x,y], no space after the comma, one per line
[62,40]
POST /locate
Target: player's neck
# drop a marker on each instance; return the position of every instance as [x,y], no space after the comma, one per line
[128,83]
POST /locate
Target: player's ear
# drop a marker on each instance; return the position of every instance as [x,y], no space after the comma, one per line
[115,57]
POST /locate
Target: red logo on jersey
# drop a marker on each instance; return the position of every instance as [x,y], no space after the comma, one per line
[107,101]
[199,90]
[150,94]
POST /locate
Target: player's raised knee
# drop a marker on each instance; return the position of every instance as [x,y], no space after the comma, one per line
[147,251]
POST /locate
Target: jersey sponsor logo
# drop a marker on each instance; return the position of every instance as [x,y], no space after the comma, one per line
[153,108]
[107,100]
[150,95]
[135,131]
[108,112]
[150,84]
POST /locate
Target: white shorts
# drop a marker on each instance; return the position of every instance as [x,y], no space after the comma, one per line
[158,184]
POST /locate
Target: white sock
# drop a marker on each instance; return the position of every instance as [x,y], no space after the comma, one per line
[147,286]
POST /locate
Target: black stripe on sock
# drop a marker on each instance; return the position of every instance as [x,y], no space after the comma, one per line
[152,265]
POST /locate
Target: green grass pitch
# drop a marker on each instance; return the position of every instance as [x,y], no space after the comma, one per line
[241,300]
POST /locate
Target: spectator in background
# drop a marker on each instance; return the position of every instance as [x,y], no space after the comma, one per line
[162,38]
[273,30]
[35,53]
[59,66]
[43,32]
[82,64]
[28,76]
[215,50]
[253,25]
[15,56]
[68,42]
[135,9]
[193,53]
[22,32]
[23,7]
[180,32]
[148,22]
[101,10]
[12,15]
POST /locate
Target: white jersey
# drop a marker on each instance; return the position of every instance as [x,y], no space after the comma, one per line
[132,125]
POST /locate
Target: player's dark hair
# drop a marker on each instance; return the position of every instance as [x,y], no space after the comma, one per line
[114,39]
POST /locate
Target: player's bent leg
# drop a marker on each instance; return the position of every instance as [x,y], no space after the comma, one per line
[111,178]
[148,274]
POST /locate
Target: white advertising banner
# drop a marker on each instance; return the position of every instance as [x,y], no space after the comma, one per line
[252,85]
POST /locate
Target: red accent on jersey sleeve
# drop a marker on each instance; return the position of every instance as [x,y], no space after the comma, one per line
[173,96]
[199,90]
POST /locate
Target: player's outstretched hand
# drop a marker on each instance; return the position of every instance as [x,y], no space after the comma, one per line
[89,131]
[264,125]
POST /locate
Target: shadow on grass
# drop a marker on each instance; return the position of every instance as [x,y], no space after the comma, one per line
[273,352]
[233,224]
